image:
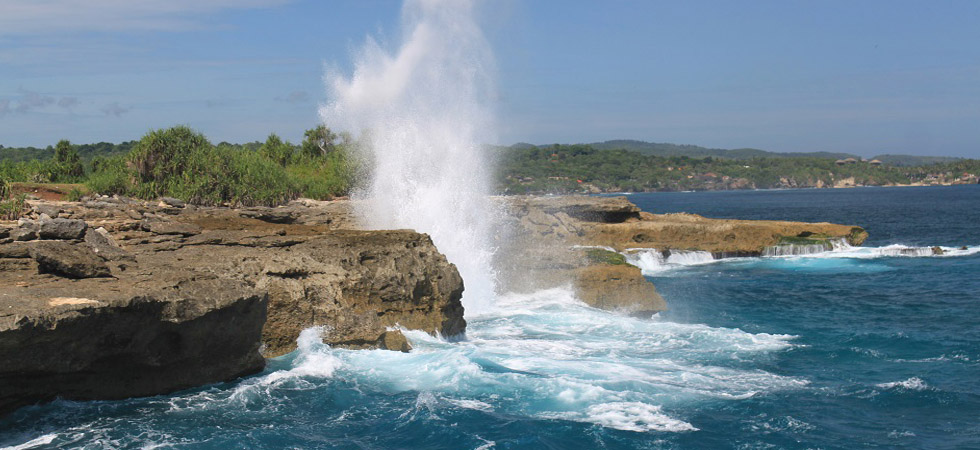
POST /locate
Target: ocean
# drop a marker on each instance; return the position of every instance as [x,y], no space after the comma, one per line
[869,347]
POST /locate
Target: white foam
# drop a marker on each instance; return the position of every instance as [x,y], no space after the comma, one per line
[912,384]
[422,116]
[652,261]
[628,416]
[33,443]
[543,355]
[895,250]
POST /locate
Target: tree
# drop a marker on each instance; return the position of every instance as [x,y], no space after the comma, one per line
[67,164]
[318,141]
[162,154]
[277,150]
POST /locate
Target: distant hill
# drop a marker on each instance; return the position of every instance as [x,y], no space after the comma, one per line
[663,149]
[695,151]
[911,160]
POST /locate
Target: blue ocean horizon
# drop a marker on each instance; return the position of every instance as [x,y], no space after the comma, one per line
[863,348]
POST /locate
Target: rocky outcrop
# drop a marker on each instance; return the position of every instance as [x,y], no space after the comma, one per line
[545,234]
[545,216]
[618,287]
[721,237]
[101,339]
[540,249]
[150,297]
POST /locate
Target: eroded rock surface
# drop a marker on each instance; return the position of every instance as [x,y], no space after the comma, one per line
[102,339]
[151,297]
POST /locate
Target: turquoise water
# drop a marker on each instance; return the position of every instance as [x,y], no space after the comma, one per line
[851,349]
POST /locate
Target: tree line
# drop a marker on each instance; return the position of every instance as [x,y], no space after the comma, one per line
[574,168]
[181,162]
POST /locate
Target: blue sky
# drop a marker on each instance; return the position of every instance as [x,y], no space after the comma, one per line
[865,77]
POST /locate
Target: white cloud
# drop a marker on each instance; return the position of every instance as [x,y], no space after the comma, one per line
[40,17]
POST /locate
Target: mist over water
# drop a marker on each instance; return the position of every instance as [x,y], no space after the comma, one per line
[423,112]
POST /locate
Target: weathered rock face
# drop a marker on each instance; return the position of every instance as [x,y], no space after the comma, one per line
[155,297]
[546,216]
[356,283]
[618,287]
[539,251]
[102,339]
[722,237]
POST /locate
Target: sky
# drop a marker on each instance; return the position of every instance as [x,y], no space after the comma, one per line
[867,77]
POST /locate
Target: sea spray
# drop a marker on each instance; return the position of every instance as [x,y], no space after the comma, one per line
[423,115]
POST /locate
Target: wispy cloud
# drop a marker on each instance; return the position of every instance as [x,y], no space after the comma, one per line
[115,109]
[38,17]
[68,102]
[32,100]
[218,102]
[295,97]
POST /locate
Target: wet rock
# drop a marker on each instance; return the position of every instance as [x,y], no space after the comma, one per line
[937,250]
[618,287]
[394,340]
[68,260]
[67,229]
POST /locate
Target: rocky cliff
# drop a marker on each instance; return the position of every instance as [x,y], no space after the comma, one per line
[114,298]
[559,240]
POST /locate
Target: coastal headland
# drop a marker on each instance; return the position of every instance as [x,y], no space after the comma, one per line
[112,297]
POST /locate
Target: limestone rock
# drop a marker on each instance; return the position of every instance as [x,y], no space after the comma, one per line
[394,340]
[168,227]
[172,202]
[62,229]
[107,339]
[618,287]
[103,245]
[65,259]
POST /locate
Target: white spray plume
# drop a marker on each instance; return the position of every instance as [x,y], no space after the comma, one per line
[424,114]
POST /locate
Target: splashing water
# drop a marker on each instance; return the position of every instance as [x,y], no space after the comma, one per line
[424,112]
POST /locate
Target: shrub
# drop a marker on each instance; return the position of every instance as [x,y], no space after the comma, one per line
[323,178]
[163,154]
[277,150]
[74,195]
[112,177]
[14,208]
[213,176]
[66,166]
[4,189]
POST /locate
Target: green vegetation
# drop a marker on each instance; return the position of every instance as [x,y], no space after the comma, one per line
[180,162]
[602,256]
[11,208]
[583,168]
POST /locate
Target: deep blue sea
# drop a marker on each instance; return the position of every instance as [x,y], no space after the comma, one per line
[871,347]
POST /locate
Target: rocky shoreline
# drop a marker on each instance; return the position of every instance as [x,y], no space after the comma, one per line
[113,297]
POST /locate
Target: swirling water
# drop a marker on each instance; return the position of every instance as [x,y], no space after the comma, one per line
[867,349]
